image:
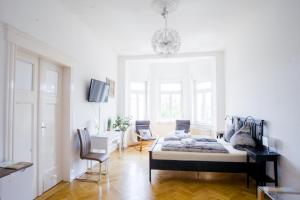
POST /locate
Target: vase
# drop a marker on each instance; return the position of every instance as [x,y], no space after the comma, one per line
[122,140]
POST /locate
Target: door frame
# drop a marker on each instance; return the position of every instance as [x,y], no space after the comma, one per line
[19,41]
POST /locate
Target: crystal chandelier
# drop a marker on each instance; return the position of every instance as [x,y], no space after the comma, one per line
[165,41]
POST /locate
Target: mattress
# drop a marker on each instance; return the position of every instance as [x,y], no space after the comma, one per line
[233,155]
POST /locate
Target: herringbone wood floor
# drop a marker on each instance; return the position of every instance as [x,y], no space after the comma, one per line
[128,180]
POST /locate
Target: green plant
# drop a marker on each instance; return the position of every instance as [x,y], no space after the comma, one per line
[122,123]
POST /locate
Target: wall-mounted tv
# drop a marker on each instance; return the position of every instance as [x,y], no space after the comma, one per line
[98,91]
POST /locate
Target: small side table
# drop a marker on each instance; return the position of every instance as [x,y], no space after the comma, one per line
[261,157]
[277,193]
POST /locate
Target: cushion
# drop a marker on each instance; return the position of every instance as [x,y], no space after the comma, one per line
[145,134]
[188,142]
[229,131]
[180,132]
[242,139]
[237,124]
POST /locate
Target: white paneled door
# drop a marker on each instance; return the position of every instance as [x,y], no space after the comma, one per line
[24,123]
[50,107]
[36,124]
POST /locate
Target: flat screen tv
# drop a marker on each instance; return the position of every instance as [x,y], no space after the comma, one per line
[98,91]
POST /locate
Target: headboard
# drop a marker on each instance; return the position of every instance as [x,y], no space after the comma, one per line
[256,128]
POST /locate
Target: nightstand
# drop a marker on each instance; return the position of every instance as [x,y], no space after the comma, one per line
[260,158]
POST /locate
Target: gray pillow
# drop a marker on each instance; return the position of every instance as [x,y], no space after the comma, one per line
[229,131]
[237,124]
[242,139]
[145,134]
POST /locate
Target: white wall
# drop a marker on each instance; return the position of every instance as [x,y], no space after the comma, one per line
[2,90]
[198,67]
[183,71]
[262,77]
[50,22]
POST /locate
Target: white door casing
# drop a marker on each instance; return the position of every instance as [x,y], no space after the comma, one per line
[18,41]
[50,106]
[25,104]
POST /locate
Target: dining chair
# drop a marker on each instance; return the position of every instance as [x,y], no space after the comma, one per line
[86,152]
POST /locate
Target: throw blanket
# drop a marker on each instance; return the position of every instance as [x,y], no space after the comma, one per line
[188,146]
[188,142]
[177,137]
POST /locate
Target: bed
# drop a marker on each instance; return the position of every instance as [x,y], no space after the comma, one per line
[235,161]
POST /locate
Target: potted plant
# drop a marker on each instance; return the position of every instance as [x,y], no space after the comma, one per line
[122,124]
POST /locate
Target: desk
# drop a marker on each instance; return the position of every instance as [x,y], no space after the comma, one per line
[106,142]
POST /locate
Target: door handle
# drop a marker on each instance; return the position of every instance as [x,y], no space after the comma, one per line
[43,126]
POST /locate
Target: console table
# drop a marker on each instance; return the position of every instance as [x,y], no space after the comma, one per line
[106,142]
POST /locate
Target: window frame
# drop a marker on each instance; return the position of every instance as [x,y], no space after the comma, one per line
[137,93]
[170,93]
[195,104]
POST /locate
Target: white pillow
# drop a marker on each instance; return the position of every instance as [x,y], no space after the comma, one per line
[180,132]
[188,142]
[145,133]
[229,131]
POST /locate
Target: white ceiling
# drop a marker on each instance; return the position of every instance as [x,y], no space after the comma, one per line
[204,25]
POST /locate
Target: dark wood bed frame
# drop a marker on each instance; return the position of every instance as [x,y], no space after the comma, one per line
[256,128]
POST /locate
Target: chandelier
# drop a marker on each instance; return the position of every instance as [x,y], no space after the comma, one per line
[165,41]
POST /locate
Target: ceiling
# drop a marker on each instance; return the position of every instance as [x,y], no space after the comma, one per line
[204,25]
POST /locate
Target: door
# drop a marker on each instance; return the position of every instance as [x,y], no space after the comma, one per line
[50,124]
[24,123]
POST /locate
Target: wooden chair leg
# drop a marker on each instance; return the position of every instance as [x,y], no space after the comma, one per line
[141,145]
[99,173]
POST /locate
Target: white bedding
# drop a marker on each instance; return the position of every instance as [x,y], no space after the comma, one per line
[234,155]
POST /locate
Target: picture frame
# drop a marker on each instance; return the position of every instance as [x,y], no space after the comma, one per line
[111,84]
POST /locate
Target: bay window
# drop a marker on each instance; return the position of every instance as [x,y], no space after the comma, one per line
[203,102]
[170,101]
[138,100]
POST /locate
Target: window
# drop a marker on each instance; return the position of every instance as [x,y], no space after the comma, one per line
[203,102]
[137,100]
[170,101]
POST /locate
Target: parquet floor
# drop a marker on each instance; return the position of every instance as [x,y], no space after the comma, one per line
[128,180]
